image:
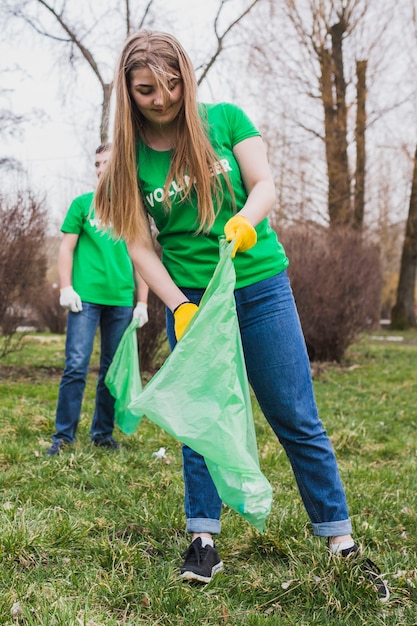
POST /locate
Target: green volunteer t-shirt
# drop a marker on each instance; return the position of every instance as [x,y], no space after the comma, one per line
[102,270]
[191,259]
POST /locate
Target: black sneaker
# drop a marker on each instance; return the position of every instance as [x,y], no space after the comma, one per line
[370,571]
[56,447]
[200,564]
[110,443]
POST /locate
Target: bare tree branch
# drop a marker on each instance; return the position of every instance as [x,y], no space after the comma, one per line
[221,37]
[75,40]
[145,14]
[38,30]
[127,5]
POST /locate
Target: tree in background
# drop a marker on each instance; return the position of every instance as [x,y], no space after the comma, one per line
[22,235]
[335,272]
[10,126]
[324,30]
[9,120]
[360,129]
[325,73]
[403,313]
[83,39]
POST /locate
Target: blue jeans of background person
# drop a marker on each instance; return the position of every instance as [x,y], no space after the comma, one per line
[279,372]
[81,330]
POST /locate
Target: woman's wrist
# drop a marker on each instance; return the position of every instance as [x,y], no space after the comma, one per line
[178,306]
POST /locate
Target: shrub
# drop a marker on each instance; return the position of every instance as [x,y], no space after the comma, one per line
[336,278]
[50,314]
[22,259]
[152,339]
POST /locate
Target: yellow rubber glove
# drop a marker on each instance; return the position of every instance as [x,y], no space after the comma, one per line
[182,317]
[240,228]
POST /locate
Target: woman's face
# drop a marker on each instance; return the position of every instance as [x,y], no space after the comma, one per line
[151,99]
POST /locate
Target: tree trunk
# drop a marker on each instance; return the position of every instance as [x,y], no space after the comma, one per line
[361,93]
[333,94]
[403,312]
[340,138]
[105,112]
[326,88]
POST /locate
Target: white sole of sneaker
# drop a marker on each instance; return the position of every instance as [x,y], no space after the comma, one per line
[189,575]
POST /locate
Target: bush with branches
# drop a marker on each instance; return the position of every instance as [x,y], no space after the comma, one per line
[50,314]
[23,262]
[336,278]
[152,339]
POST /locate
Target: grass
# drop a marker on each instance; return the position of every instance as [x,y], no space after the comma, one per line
[94,538]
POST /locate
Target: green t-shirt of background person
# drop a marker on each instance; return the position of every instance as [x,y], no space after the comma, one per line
[191,260]
[102,271]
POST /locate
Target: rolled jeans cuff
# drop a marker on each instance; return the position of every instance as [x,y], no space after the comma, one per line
[333,529]
[202,525]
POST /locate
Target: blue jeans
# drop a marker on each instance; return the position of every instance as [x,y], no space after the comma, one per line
[279,373]
[81,330]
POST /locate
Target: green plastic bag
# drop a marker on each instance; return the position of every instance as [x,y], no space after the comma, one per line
[201,397]
[123,379]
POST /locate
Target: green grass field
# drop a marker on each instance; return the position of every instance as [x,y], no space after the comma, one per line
[95,538]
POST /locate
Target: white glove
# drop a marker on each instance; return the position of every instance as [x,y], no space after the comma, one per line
[140,312]
[69,299]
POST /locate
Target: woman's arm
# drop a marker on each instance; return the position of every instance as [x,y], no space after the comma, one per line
[257,177]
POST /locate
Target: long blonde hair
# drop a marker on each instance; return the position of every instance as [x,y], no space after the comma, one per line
[118,201]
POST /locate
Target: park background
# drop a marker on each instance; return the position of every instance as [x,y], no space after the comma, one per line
[92,539]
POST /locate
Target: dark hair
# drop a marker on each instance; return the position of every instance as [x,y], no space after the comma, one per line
[103,147]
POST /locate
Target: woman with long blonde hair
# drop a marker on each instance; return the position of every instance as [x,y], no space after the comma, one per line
[201,172]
